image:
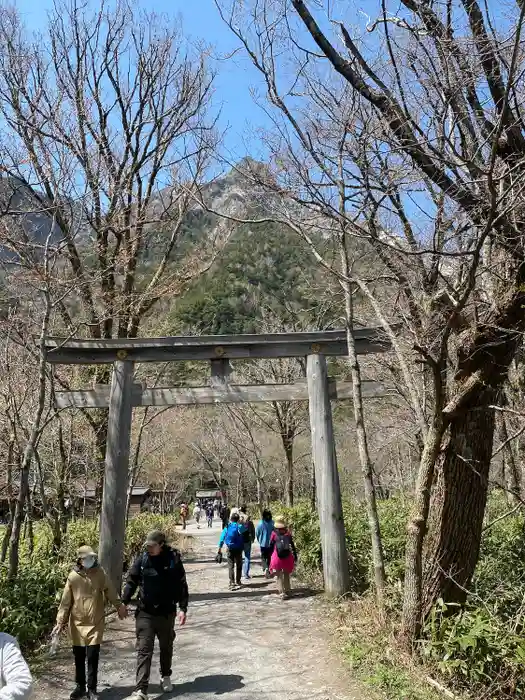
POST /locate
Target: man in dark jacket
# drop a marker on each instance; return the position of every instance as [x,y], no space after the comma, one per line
[160,577]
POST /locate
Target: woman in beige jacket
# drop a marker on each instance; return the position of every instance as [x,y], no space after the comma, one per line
[83,603]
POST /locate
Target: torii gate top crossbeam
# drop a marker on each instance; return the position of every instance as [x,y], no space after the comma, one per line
[213,347]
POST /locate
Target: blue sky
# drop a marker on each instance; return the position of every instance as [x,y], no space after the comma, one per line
[239,115]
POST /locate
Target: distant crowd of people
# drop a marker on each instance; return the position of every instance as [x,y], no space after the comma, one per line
[238,534]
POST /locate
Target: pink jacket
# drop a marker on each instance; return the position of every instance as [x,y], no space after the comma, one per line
[278,564]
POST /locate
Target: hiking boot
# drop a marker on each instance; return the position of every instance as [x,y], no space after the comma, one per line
[166,685]
[78,693]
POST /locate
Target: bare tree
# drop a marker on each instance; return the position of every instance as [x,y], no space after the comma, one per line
[106,138]
[425,125]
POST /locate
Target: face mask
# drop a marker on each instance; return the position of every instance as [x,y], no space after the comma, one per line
[88,562]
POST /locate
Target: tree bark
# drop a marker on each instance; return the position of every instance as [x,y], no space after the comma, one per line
[458,504]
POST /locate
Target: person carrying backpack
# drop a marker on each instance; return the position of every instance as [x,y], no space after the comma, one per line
[233,537]
[283,556]
[263,533]
[249,538]
[159,575]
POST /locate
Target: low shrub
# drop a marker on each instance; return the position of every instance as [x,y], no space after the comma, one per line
[472,648]
[28,606]
[393,515]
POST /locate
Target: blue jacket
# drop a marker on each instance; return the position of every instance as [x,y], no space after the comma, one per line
[264,532]
[240,529]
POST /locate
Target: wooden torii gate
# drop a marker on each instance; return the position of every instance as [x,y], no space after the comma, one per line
[123,394]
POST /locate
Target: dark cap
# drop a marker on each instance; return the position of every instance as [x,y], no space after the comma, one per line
[155,537]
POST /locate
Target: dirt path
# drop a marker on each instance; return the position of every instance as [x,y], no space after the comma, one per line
[246,645]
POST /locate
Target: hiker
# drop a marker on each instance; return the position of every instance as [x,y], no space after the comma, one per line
[283,556]
[209,514]
[15,677]
[83,603]
[197,514]
[225,516]
[249,539]
[232,537]
[263,533]
[184,512]
[159,575]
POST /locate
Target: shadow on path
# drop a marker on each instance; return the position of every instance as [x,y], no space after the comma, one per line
[214,685]
[222,595]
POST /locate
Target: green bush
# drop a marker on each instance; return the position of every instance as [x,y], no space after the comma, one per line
[393,515]
[473,648]
[28,606]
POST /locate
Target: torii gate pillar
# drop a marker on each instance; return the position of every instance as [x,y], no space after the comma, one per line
[113,514]
[333,541]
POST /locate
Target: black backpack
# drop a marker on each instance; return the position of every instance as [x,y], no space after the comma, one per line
[283,545]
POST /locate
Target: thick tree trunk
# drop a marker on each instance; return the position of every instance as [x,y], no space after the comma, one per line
[458,504]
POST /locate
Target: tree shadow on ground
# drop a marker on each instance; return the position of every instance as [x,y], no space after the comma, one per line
[213,685]
[222,595]
[305,592]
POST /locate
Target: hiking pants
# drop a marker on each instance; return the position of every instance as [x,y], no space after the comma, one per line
[266,554]
[148,627]
[235,566]
[92,654]
[247,559]
[283,582]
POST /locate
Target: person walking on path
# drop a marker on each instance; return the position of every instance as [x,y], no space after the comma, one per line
[184,512]
[249,538]
[283,556]
[15,678]
[209,514]
[232,537]
[225,515]
[263,533]
[83,602]
[159,575]
[197,511]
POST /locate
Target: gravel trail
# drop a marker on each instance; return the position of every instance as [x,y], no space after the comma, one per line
[243,645]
